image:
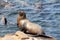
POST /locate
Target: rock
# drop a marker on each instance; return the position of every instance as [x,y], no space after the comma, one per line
[23,3]
[9,5]
[21,34]
[32,38]
[7,37]
[0,38]
[46,38]
[3,3]
[16,37]
[38,5]
[11,37]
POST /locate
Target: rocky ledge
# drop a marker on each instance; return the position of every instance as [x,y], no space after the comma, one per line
[22,36]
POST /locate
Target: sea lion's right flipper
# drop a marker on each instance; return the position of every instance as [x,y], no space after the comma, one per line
[24,28]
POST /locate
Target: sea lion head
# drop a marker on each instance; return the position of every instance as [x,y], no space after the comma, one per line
[22,15]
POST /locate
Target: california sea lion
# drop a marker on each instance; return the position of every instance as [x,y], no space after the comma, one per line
[28,26]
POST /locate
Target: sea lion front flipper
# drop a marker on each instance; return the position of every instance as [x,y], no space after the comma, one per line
[24,28]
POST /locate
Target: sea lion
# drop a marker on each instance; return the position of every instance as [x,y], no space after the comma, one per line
[27,26]
[4,20]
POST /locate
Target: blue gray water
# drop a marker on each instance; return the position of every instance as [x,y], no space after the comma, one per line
[48,15]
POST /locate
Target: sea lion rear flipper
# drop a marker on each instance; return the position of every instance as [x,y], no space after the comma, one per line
[44,36]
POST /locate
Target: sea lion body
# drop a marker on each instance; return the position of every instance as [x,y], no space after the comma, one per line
[31,27]
[28,26]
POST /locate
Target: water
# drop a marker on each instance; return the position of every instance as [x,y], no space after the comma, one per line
[48,15]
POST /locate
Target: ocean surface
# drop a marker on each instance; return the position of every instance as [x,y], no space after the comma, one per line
[43,12]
